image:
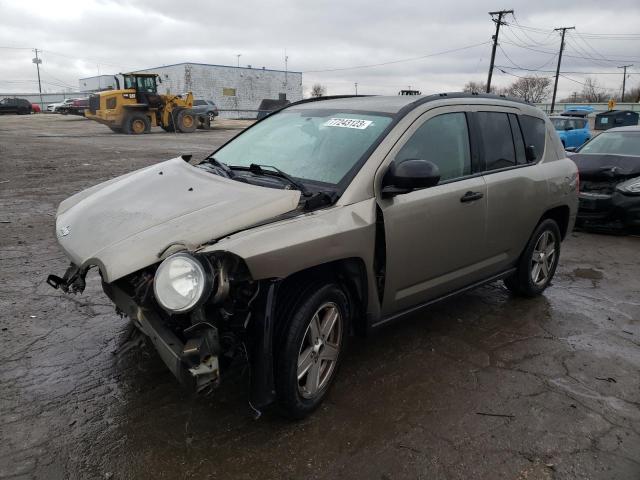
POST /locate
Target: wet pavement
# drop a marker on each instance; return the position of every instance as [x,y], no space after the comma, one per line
[485,385]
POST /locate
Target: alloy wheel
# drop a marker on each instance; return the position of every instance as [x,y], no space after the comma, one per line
[319,351]
[543,258]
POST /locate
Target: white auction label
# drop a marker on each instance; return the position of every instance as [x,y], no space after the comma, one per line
[348,123]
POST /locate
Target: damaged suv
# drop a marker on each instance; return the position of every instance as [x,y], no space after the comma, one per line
[328,218]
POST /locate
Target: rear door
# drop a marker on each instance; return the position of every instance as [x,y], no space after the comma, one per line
[514,185]
[434,236]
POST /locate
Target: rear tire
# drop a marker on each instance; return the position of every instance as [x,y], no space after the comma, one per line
[538,262]
[136,124]
[311,349]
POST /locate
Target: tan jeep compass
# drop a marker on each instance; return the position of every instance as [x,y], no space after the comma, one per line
[328,218]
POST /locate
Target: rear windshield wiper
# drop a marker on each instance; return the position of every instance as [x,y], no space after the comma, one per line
[259,169]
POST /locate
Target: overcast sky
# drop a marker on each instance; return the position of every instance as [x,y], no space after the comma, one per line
[81,38]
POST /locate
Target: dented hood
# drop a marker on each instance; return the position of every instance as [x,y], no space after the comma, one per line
[124,224]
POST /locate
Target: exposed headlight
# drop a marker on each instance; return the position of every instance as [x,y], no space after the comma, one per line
[630,186]
[181,282]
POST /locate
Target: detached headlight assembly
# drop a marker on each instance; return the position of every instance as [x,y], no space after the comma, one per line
[630,187]
[181,282]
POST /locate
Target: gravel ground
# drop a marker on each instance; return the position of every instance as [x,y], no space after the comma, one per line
[482,386]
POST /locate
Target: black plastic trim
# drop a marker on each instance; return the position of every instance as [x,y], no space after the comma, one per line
[390,318]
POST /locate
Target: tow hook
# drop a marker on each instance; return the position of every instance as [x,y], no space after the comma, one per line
[72,280]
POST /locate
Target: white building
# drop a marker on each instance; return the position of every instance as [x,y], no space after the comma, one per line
[231,88]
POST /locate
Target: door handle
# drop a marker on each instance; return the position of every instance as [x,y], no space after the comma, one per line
[471,196]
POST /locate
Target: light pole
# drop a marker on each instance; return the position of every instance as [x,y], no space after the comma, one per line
[239,55]
[356,88]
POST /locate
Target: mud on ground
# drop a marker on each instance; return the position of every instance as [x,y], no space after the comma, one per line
[485,385]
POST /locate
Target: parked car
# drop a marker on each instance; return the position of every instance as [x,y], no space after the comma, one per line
[76,107]
[206,107]
[609,168]
[327,218]
[19,106]
[269,105]
[573,132]
[35,108]
[55,107]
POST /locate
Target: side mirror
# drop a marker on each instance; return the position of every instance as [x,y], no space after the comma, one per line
[406,175]
[530,154]
[570,149]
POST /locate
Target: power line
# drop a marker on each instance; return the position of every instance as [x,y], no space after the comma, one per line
[566,55]
[574,72]
[397,61]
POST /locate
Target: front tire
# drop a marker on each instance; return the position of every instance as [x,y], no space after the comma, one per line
[538,262]
[311,350]
[186,121]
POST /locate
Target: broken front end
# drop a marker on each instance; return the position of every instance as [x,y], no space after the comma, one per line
[201,312]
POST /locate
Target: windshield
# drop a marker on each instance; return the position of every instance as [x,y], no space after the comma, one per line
[614,143]
[317,145]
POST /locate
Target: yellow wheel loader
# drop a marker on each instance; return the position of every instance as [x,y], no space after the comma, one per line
[138,106]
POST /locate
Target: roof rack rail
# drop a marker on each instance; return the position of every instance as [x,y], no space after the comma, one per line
[328,97]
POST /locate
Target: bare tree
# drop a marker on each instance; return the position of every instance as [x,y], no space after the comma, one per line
[318,90]
[531,88]
[475,87]
[593,92]
[481,87]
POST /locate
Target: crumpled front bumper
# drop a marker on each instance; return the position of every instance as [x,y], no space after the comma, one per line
[617,210]
[192,363]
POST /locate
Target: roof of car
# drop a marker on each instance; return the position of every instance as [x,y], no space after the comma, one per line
[395,103]
[628,128]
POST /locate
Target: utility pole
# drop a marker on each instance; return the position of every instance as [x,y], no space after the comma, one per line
[555,85]
[624,79]
[239,55]
[498,22]
[37,61]
[356,89]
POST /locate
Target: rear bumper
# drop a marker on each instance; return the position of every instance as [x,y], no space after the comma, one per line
[609,211]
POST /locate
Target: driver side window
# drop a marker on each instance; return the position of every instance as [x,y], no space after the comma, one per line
[443,140]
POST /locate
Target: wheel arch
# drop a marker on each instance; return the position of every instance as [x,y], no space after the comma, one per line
[350,273]
[561,216]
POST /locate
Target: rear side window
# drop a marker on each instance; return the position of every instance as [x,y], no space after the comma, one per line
[534,130]
[199,102]
[497,141]
[443,140]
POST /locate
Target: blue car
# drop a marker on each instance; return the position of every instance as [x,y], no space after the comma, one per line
[573,131]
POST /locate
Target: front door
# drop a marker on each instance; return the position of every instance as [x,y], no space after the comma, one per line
[435,237]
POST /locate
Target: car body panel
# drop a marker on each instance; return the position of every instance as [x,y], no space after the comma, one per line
[125,224]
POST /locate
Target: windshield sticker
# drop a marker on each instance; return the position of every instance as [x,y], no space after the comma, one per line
[348,123]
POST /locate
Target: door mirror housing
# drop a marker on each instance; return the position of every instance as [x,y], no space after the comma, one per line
[407,175]
[570,149]
[530,154]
